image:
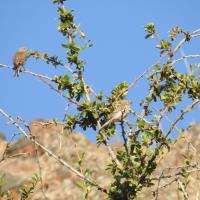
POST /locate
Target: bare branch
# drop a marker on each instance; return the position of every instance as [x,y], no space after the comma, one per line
[50,153]
[110,151]
[186,57]
[183,190]
[40,172]
[4,156]
[183,112]
[137,79]
[46,80]
[181,43]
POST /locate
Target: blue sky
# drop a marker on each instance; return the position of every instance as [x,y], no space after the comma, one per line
[120,51]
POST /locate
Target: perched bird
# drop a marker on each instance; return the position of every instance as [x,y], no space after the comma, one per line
[121,110]
[19,59]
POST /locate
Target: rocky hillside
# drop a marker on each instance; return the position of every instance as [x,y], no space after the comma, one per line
[23,160]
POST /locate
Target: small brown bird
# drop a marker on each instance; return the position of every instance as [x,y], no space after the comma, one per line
[19,59]
[120,112]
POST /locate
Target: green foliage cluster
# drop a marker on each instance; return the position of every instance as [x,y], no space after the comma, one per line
[143,139]
[25,192]
[74,85]
[144,143]
[49,59]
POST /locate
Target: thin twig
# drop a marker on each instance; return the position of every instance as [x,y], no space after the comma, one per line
[40,172]
[163,114]
[183,190]
[186,57]
[110,151]
[193,34]
[18,155]
[135,81]
[178,130]
[3,157]
[27,72]
[178,118]
[44,79]
[156,192]
[57,91]
[194,167]
[124,136]
[167,184]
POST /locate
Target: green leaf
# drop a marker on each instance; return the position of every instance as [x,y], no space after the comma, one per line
[150,29]
[58,1]
[164,44]
[65,45]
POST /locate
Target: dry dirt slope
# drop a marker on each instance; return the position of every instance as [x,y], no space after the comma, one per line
[60,184]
